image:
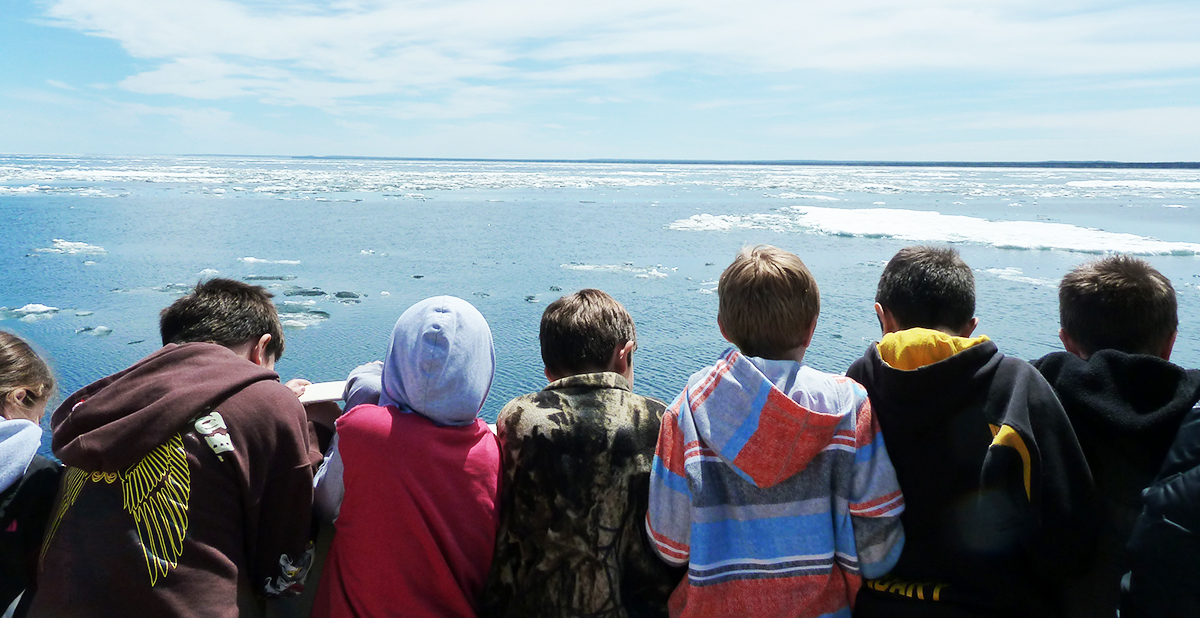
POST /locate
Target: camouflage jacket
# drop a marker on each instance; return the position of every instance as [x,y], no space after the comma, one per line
[576,459]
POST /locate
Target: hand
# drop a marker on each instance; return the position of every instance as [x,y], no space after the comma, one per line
[297,385]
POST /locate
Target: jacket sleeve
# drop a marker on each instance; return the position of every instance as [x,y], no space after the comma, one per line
[328,487]
[875,500]
[280,549]
[1165,543]
[1035,459]
[668,516]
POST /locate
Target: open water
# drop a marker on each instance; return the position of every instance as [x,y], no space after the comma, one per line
[95,247]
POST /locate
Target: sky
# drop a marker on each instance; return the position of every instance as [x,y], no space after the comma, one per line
[904,80]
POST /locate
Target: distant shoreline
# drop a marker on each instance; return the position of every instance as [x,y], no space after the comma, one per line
[801,162]
[1187,165]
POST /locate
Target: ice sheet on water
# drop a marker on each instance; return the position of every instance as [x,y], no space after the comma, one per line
[931,226]
[1017,275]
[640,272]
[59,245]
[254,260]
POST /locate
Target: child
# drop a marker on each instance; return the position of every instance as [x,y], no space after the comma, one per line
[577,458]
[1123,396]
[414,492]
[998,494]
[771,481]
[28,481]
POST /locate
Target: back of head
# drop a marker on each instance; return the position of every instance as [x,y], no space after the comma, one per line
[769,302]
[580,331]
[440,362]
[224,312]
[928,287]
[1119,303]
[21,367]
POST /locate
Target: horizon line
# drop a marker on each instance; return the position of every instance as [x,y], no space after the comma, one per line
[1053,164]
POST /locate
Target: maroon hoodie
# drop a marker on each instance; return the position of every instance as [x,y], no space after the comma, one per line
[188,476]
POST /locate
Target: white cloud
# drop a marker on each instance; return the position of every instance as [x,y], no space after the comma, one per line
[323,55]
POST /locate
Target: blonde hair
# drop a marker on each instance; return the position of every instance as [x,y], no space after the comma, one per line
[768,301]
[21,367]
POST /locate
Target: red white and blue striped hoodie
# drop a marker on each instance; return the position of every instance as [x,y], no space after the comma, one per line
[772,484]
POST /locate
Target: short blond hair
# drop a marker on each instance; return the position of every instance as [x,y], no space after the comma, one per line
[768,301]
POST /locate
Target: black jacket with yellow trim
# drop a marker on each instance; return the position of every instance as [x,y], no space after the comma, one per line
[999,499]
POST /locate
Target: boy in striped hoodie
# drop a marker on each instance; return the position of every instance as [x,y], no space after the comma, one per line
[771,481]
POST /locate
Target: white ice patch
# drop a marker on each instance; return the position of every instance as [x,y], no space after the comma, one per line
[302,319]
[1016,275]
[71,248]
[254,260]
[35,308]
[1134,184]
[651,272]
[803,196]
[1174,205]
[209,272]
[930,226]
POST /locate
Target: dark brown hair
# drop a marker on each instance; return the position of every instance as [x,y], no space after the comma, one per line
[1120,303]
[928,287]
[580,331]
[224,312]
[21,367]
[768,301]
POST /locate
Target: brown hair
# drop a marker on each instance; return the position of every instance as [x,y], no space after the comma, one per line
[1120,303]
[224,312]
[21,367]
[927,287]
[580,331]
[768,301]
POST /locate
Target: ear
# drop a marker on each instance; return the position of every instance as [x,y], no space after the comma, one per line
[622,361]
[809,335]
[721,327]
[17,396]
[887,322]
[259,355]
[550,377]
[969,328]
[1072,347]
[1170,345]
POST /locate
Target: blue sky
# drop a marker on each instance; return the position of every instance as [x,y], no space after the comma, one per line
[696,79]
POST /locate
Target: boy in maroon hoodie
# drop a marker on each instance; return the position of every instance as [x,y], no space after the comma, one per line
[189,474]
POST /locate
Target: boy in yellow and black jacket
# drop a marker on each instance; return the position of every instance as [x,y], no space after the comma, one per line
[1000,501]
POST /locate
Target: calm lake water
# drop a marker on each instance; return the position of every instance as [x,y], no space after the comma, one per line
[95,247]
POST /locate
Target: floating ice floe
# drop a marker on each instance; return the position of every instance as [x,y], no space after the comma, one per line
[173,288]
[640,272]
[209,272]
[302,319]
[35,309]
[269,277]
[805,196]
[94,331]
[83,314]
[385,293]
[1134,184]
[254,260]
[932,226]
[68,247]
[299,291]
[1017,276]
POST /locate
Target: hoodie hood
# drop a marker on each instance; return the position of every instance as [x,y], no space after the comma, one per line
[19,442]
[112,424]
[760,416]
[1127,392]
[914,348]
[440,362]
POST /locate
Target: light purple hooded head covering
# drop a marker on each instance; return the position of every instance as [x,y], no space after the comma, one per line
[440,362]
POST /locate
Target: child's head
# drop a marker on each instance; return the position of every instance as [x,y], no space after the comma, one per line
[587,332]
[1120,303]
[228,313]
[440,362]
[926,287]
[769,303]
[25,380]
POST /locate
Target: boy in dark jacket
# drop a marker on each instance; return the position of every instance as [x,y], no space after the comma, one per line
[188,475]
[998,493]
[1123,396]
